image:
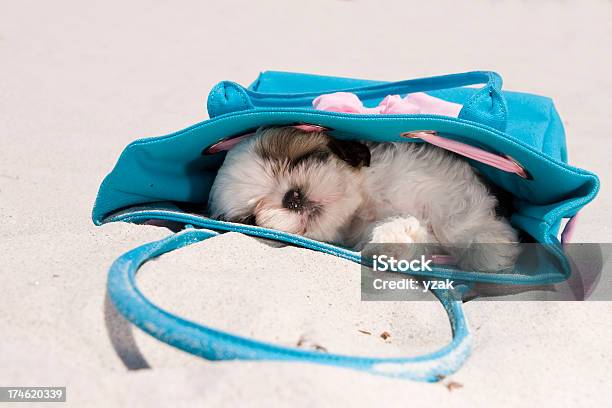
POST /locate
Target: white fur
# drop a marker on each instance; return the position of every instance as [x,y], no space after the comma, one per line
[410,193]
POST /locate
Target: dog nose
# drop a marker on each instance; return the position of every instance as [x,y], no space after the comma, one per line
[293,200]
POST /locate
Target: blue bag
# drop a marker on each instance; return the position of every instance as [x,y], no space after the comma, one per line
[157,178]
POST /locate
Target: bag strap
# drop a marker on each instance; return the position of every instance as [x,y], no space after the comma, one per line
[485,106]
[213,344]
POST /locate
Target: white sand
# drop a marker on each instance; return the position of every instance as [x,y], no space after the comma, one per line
[78,82]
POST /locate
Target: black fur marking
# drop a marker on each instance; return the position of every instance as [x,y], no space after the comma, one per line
[356,154]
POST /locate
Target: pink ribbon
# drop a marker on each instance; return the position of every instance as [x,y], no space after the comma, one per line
[415,103]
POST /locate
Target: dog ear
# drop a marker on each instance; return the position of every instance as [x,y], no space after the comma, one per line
[354,153]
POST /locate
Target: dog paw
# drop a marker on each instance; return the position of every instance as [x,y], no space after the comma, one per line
[404,230]
[490,257]
[400,238]
[492,247]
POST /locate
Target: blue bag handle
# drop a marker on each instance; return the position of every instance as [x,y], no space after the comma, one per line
[485,106]
[214,344]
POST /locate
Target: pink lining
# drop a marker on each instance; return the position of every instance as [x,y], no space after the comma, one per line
[491,159]
[569,229]
[226,144]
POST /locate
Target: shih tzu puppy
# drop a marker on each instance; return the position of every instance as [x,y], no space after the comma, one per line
[354,193]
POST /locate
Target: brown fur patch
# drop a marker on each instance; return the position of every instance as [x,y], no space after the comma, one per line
[286,147]
[290,144]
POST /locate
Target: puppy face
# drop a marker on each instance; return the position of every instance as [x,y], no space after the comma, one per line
[290,180]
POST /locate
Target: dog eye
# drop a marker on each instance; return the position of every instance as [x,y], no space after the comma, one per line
[317,155]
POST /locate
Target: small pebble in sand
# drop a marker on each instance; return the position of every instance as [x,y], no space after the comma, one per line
[453,385]
[385,335]
[306,343]
[450,385]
